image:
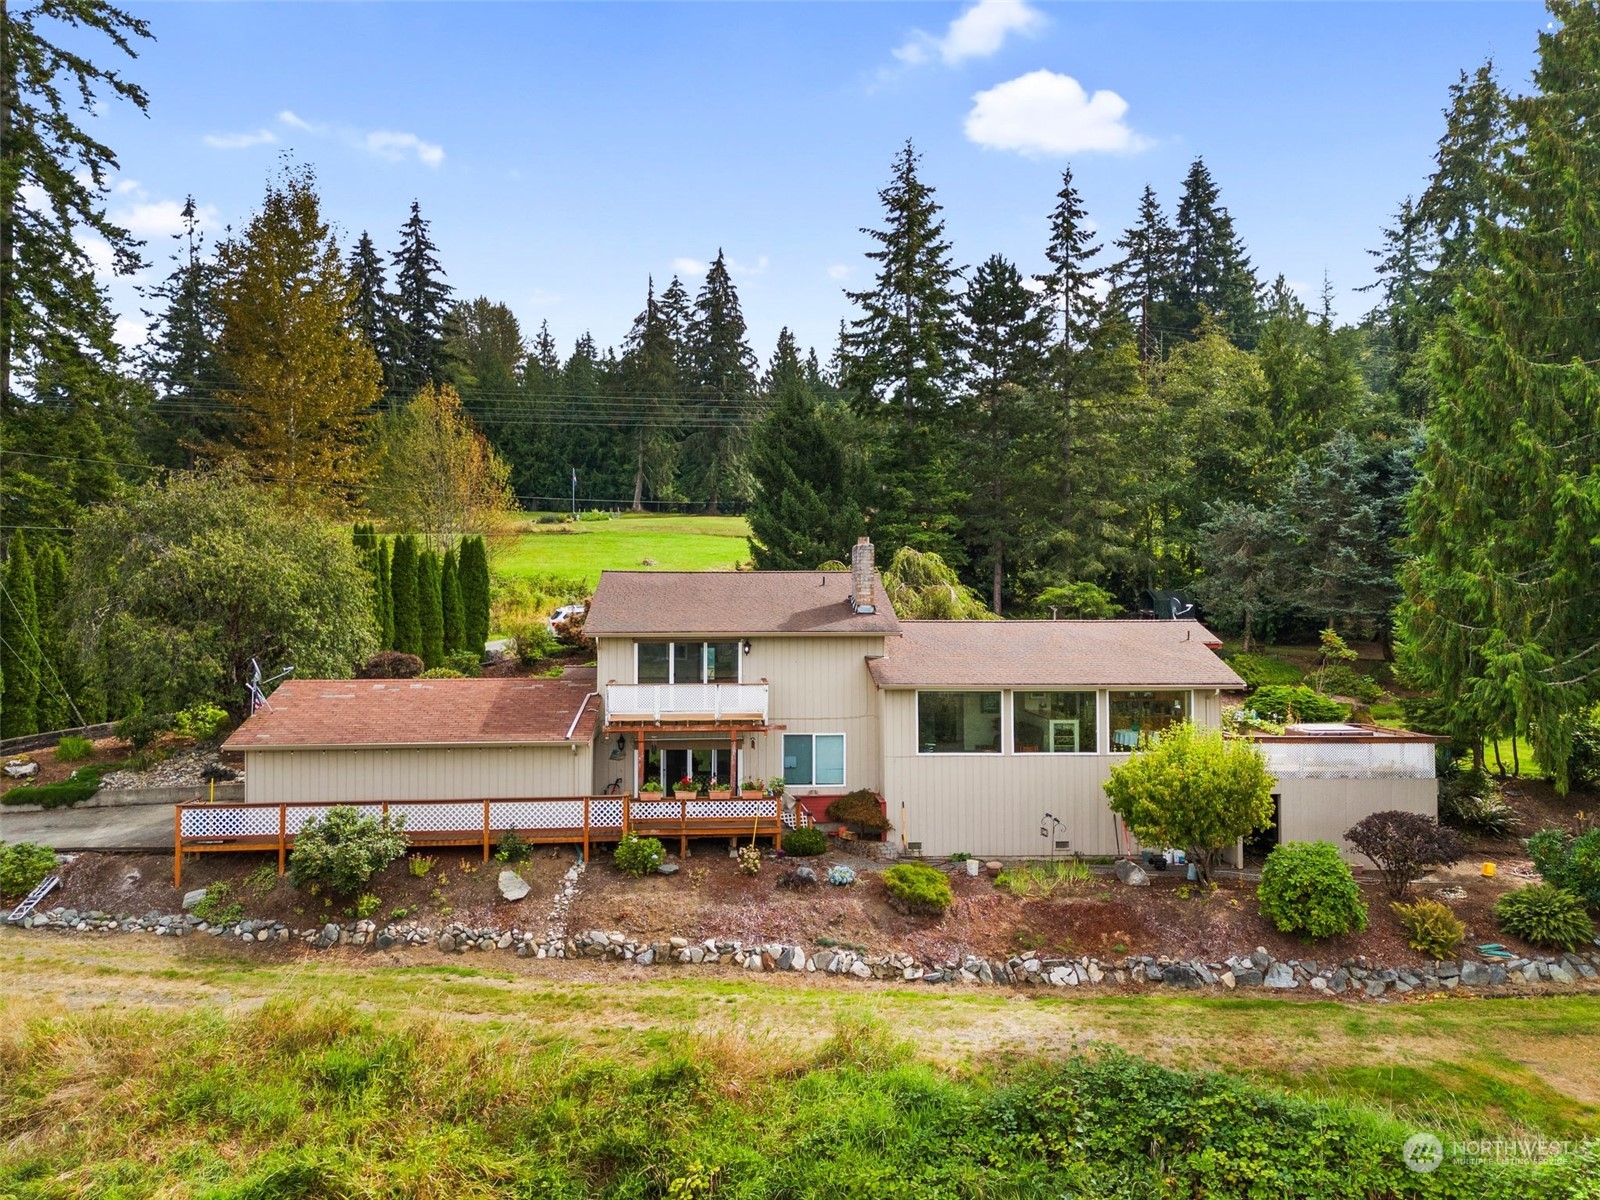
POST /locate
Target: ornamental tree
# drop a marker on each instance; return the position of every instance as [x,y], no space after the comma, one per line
[1193,788]
[1404,844]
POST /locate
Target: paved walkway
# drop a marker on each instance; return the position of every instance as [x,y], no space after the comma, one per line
[126,827]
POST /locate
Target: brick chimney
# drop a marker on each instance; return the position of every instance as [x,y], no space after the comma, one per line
[863,596]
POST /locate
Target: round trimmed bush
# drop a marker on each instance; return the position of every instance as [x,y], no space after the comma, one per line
[805,843]
[22,866]
[1307,888]
[919,889]
[1279,702]
[345,849]
[638,856]
[1545,916]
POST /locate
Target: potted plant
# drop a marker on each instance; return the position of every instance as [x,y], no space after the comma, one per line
[651,785]
[685,789]
[752,789]
[775,785]
[717,790]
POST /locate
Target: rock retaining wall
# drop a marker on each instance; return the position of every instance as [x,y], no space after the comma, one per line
[1351,977]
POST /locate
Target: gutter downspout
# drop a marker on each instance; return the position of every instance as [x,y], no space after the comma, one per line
[582,708]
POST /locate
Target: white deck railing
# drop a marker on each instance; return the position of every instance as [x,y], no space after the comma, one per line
[686,701]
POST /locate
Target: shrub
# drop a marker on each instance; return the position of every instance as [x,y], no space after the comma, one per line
[805,843]
[1241,718]
[441,673]
[1470,799]
[202,721]
[1278,702]
[1262,670]
[1568,862]
[638,856]
[1343,680]
[862,811]
[1583,762]
[512,849]
[1545,916]
[841,875]
[1043,879]
[419,865]
[1431,927]
[919,889]
[749,860]
[214,907]
[345,849]
[1307,888]
[366,904]
[1193,789]
[466,662]
[22,866]
[74,749]
[1402,845]
[64,793]
[535,641]
[140,728]
[391,664]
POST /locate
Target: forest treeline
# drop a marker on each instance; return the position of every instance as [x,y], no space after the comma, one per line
[1150,410]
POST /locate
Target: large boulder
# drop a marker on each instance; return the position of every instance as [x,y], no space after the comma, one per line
[1131,873]
[513,886]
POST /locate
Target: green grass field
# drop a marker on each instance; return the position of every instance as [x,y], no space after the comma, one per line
[134,1068]
[582,549]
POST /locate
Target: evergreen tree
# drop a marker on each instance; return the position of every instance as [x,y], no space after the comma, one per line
[1006,424]
[1245,551]
[20,660]
[420,302]
[56,707]
[385,597]
[370,312]
[455,634]
[805,509]
[900,365]
[1501,615]
[407,603]
[1213,272]
[473,571]
[1071,286]
[430,607]
[722,380]
[180,358]
[650,377]
[1405,316]
[54,181]
[300,379]
[1145,277]
[1467,183]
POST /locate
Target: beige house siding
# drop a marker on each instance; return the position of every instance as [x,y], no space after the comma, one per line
[816,684]
[458,773]
[1311,810]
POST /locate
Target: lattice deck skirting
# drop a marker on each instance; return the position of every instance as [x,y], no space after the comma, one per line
[582,820]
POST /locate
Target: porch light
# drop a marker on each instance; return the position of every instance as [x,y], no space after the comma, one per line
[616,751]
[746,646]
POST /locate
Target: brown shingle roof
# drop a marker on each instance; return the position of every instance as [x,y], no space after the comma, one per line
[733,603]
[419,712]
[1043,654]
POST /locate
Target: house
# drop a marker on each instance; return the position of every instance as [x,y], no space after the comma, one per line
[989,737]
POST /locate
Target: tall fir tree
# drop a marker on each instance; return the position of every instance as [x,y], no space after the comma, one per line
[430,608]
[371,314]
[57,707]
[1213,271]
[1501,615]
[407,600]
[1145,277]
[722,380]
[1404,312]
[420,302]
[385,597]
[651,381]
[806,506]
[901,359]
[455,634]
[1466,186]
[20,660]
[473,569]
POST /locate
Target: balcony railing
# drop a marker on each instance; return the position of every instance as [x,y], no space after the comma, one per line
[663,702]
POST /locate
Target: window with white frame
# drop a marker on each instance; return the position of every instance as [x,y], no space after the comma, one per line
[686,662]
[958,722]
[813,759]
[1054,722]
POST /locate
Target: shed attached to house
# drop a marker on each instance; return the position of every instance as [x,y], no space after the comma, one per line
[348,741]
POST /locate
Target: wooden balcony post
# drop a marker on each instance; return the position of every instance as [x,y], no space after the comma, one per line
[485,831]
[627,813]
[283,837]
[177,845]
[586,830]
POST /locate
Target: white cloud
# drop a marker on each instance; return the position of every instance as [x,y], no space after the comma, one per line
[161,217]
[1043,113]
[240,141]
[288,118]
[979,32]
[688,266]
[735,267]
[838,271]
[388,144]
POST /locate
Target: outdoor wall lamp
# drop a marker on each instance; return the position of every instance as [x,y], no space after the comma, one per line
[621,742]
[747,645]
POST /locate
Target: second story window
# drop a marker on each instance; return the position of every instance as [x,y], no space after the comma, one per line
[687,662]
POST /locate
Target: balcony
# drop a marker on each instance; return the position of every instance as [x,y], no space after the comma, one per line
[687,703]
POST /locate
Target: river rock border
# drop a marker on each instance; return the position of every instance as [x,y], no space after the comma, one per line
[1353,977]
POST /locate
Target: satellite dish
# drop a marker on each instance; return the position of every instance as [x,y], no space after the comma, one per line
[257,686]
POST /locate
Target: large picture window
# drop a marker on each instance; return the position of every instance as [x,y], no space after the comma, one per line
[1135,715]
[958,722]
[813,759]
[687,662]
[1053,722]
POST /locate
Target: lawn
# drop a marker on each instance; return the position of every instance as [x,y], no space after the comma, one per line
[145,1067]
[582,549]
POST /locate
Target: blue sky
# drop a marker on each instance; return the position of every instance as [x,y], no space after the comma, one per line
[565,152]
